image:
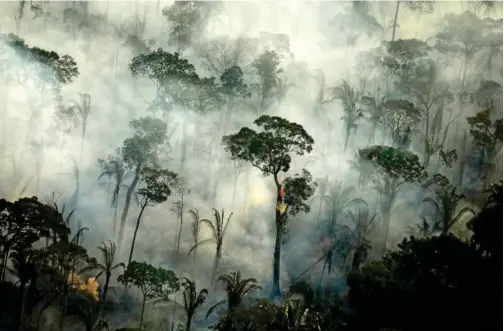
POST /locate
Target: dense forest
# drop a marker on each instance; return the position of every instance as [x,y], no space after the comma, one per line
[251,166]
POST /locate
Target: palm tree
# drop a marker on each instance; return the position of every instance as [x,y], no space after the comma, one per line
[445,208]
[362,222]
[82,109]
[192,300]
[349,98]
[195,229]
[218,231]
[322,187]
[108,255]
[114,167]
[338,198]
[237,289]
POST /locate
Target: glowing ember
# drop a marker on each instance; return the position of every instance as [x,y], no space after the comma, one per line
[281,206]
[90,286]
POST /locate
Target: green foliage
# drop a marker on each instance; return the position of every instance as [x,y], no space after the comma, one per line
[445,205]
[397,163]
[269,150]
[158,184]
[45,67]
[266,66]
[172,75]
[143,146]
[153,282]
[485,132]
[237,289]
[233,84]
[298,189]
[186,18]
[162,68]
[26,221]
[402,56]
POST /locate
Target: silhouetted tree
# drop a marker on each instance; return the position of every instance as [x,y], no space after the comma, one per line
[154,283]
[269,151]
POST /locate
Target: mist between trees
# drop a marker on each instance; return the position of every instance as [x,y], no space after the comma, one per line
[251,166]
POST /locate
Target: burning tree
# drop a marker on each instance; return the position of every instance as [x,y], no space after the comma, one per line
[270,151]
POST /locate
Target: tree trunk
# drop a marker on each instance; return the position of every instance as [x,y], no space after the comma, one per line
[395,20]
[347,136]
[106,286]
[275,291]
[189,322]
[136,230]
[124,215]
[142,313]
[181,216]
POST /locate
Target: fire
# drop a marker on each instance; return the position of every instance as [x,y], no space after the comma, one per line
[281,206]
[90,286]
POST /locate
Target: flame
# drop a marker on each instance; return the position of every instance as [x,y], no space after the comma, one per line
[90,286]
[281,206]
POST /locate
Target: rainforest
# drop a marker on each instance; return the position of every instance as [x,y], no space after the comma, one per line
[251,165]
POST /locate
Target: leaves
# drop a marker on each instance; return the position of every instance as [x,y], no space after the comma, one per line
[143,146]
[397,163]
[153,282]
[158,185]
[269,150]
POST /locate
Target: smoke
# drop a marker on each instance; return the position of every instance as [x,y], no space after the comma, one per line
[103,56]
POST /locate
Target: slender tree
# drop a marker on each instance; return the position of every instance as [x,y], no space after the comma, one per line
[154,283]
[218,231]
[139,151]
[192,300]
[267,68]
[270,151]
[351,114]
[158,186]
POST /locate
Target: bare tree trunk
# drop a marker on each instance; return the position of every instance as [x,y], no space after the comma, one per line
[127,203]
[181,217]
[136,230]
[398,2]
[142,313]
[275,291]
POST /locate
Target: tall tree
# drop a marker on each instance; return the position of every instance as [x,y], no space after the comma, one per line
[351,114]
[218,231]
[182,16]
[270,151]
[418,6]
[487,135]
[393,167]
[267,69]
[401,118]
[195,227]
[80,112]
[429,92]
[157,189]
[139,151]
[154,283]
[115,167]
[171,74]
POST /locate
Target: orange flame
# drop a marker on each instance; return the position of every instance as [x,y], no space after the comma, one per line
[281,206]
[90,286]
